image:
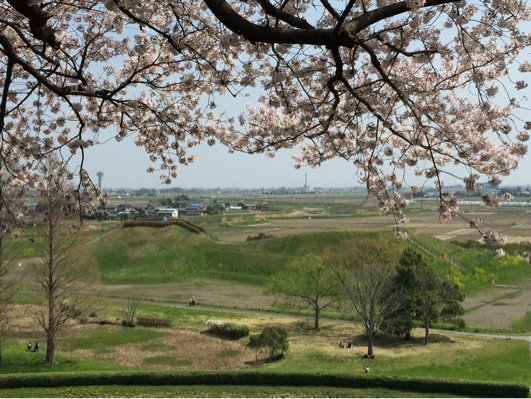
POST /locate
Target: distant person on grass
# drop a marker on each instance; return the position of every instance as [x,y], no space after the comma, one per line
[366,369]
[36,348]
[192,301]
[341,345]
[29,347]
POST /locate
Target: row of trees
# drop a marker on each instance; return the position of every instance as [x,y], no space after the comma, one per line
[384,295]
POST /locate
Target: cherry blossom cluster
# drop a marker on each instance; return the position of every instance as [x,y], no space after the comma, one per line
[490,236]
[388,86]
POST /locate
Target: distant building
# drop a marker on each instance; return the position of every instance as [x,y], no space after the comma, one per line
[168,213]
[124,208]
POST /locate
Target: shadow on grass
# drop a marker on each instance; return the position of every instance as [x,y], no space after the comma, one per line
[221,337]
[392,341]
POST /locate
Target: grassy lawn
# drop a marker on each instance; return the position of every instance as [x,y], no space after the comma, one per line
[157,348]
[203,391]
[18,360]
[453,357]
[102,339]
[167,360]
[448,356]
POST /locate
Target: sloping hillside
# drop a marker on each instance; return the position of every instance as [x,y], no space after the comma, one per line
[143,255]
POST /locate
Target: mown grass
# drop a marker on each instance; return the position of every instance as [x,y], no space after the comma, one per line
[213,391]
[157,348]
[505,360]
[228,353]
[18,360]
[106,338]
[167,360]
[448,356]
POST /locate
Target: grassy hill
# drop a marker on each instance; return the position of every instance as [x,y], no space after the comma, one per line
[144,255]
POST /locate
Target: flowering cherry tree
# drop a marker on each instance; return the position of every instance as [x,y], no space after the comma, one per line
[387,85]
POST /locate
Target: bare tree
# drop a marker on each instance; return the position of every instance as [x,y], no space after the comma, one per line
[130,299]
[365,269]
[7,287]
[8,222]
[63,276]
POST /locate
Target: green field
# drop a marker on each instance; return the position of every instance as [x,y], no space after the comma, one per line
[448,356]
[144,255]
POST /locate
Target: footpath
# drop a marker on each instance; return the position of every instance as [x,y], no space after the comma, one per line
[299,317]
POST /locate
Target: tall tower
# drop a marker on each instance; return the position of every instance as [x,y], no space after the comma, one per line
[100,177]
[306,183]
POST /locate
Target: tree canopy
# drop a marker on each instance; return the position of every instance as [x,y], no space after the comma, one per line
[306,282]
[386,85]
[365,269]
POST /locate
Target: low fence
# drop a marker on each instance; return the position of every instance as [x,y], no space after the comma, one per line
[447,259]
[190,226]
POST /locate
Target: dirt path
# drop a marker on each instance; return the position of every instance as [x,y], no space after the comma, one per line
[261,313]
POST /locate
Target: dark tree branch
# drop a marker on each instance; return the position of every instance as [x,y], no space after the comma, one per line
[271,10]
[319,37]
[37,21]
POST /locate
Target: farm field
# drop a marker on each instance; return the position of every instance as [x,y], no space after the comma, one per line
[516,224]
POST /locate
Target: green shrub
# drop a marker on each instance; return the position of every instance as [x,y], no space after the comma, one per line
[274,339]
[231,330]
[152,322]
[269,378]
[260,236]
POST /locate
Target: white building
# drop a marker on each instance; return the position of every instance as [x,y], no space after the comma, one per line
[168,213]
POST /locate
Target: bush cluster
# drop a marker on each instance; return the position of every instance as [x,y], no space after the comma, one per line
[273,339]
[269,378]
[260,236]
[231,330]
[152,322]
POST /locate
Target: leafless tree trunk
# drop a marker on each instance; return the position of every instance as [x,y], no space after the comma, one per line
[130,299]
[365,269]
[6,289]
[64,275]
[8,222]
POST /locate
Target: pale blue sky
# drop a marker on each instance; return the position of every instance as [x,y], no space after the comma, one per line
[124,164]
